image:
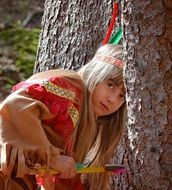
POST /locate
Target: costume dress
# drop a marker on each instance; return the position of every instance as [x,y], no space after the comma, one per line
[36,122]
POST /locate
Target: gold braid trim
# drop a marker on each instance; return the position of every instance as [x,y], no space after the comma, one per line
[65,93]
[74,114]
[57,90]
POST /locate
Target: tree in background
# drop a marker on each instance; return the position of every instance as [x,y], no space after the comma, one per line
[147,148]
[73,30]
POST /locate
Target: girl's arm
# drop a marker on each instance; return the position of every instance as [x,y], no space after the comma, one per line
[23,141]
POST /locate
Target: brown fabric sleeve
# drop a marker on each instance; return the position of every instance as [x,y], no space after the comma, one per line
[23,142]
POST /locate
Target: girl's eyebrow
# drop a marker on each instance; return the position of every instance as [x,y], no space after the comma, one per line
[112,80]
[115,81]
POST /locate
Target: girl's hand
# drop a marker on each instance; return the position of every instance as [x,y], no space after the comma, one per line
[64,165]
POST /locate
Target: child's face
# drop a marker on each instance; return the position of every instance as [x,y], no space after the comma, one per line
[107,97]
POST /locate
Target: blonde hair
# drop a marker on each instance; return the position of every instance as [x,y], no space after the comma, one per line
[109,128]
[96,71]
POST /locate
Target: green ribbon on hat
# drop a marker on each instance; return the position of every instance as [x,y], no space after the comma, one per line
[116,37]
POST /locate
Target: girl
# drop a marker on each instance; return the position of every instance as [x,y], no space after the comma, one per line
[103,77]
[58,118]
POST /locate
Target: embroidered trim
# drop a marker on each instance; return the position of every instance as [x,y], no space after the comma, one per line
[109,59]
[68,94]
[74,114]
[57,90]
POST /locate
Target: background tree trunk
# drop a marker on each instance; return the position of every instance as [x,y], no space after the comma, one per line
[71,32]
[148,48]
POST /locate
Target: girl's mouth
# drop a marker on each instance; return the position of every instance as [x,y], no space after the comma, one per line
[104,106]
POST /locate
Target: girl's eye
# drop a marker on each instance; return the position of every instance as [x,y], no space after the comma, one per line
[122,96]
[110,84]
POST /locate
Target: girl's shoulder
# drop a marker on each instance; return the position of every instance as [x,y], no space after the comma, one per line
[66,85]
[56,73]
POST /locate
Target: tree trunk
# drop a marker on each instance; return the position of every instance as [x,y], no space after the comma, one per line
[147,148]
[71,32]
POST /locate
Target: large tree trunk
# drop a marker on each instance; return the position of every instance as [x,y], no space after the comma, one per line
[71,32]
[148,72]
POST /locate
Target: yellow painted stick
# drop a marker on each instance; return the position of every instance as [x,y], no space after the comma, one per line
[44,171]
[116,169]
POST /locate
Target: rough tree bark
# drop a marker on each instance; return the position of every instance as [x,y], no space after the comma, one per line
[71,32]
[148,75]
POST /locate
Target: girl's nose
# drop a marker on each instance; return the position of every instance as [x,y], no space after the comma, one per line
[108,99]
[112,98]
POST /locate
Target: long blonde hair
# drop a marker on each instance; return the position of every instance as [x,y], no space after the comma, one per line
[108,128]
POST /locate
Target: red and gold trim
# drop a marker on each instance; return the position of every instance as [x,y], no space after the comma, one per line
[74,115]
[59,91]
[64,93]
[118,63]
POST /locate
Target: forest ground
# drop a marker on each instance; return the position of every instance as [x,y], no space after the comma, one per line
[20,24]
